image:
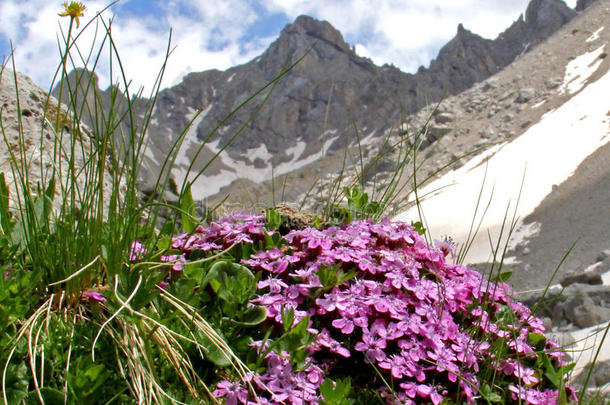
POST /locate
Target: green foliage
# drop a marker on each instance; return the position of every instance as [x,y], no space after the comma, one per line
[419,227]
[187,205]
[6,222]
[294,341]
[358,207]
[16,387]
[502,277]
[336,393]
[332,276]
[273,219]
[490,395]
[232,283]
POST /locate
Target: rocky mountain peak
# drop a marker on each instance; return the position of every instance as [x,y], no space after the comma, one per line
[545,16]
[461,31]
[315,29]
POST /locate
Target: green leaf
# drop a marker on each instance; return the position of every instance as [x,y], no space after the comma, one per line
[287,318]
[88,378]
[252,316]
[273,219]
[556,375]
[487,393]
[373,207]
[187,204]
[165,242]
[213,353]
[502,277]
[16,383]
[295,341]
[50,396]
[336,393]
[232,282]
[537,340]
[333,275]
[275,240]
[5,216]
[419,227]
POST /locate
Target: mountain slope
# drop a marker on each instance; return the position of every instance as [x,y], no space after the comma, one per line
[549,107]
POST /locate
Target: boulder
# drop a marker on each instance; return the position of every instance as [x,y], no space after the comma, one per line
[586,277]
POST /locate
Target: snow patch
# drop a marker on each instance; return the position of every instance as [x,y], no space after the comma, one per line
[580,69]
[297,150]
[260,152]
[368,139]
[295,164]
[183,160]
[148,153]
[178,79]
[231,78]
[207,185]
[538,104]
[453,197]
[595,35]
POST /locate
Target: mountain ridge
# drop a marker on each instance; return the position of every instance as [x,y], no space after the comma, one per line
[317,105]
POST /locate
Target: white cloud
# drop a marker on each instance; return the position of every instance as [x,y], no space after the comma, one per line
[141,41]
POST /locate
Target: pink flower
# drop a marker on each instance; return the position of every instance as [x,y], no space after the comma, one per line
[345,325]
[95,296]
[232,392]
[137,251]
[176,261]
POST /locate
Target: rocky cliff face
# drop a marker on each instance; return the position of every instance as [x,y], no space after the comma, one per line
[582,4]
[315,108]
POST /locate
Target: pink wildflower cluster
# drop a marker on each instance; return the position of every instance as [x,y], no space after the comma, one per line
[426,323]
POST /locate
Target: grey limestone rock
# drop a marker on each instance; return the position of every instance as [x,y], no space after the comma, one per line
[582,4]
[436,131]
[526,94]
[444,117]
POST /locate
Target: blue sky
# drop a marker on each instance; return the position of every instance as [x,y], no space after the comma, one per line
[218,34]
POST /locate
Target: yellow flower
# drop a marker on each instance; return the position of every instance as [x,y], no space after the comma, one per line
[74,9]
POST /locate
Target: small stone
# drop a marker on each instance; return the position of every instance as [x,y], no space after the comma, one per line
[505,95]
[552,83]
[444,117]
[603,255]
[490,84]
[525,95]
[436,131]
[526,123]
[508,118]
[489,133]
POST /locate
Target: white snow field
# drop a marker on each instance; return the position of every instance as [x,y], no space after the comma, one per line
[545,155]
